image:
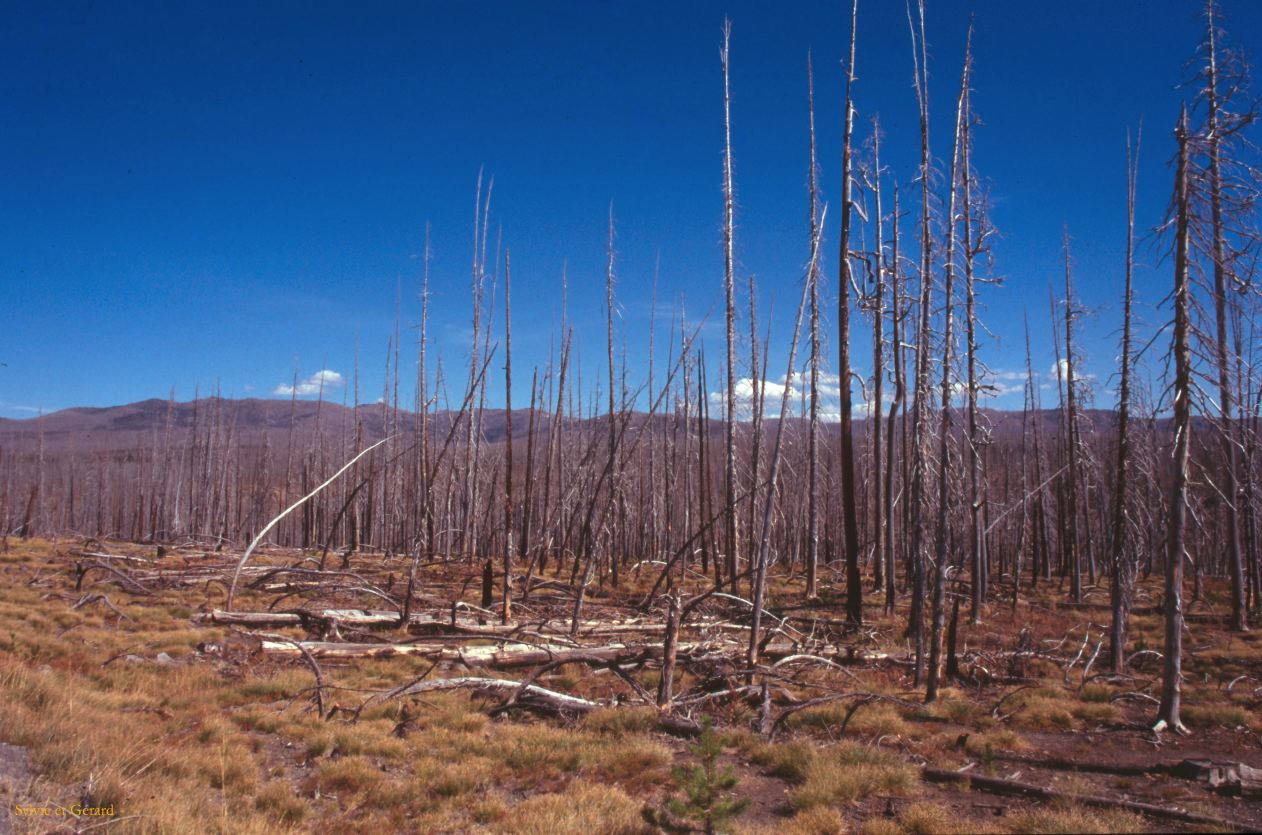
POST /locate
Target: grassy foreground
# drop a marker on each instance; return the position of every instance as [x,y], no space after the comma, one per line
[122,703]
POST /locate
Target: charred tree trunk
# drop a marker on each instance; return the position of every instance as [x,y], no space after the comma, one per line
[849,498]
[1168,713]
[1123,563]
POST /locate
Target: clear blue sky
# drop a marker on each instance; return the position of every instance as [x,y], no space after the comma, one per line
[206,194]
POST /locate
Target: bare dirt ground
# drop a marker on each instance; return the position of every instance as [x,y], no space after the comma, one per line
[128,688]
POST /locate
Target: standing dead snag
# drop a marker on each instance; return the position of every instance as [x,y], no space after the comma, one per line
[849,499]
[921,395]
[812,512]
[1218,125]
[973,246]
[729,200]
[1069,525]
[506,611]
[942,535]
[670,649]
[613,442]
[879,520]
[900,396]
[1172,668]
[1123,563]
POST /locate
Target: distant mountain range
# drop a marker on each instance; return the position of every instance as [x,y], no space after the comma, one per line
[250,421]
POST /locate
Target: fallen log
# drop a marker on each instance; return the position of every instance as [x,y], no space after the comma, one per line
[559,702]
[524,654]
[1013,788]
[1231,778]
[484,656]
[423,623]
[529,696]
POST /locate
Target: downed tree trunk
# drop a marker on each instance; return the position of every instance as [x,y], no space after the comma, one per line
[559,702]
[349,617]
[526,654]
[1223,777]
[421,623]
[527,696]
[1231,778]
[998,785]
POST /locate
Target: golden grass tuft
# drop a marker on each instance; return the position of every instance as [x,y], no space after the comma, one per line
[851,772]
[620,722]
[1217,716]
[279,802]
[928,819]
[989,743]
[1070,820]
[583,808]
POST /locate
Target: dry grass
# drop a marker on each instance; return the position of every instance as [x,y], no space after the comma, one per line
[581,809]
[1070,820]
[229,744]
[989,743]
[874,720]
[850,772]
[928,819]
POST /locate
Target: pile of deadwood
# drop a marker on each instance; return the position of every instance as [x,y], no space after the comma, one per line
[802,660]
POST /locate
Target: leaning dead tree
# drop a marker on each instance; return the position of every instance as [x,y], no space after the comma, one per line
[764,545]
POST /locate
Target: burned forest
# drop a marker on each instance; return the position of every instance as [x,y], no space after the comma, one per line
[744,570]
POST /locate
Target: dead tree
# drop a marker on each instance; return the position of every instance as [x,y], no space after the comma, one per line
[942,535]
[1172,667]
[849,498]
[1225,196]
[973,247]
[1070,524]
[1123,563]
[921,391]
[764,545]
[812,517]
[613,446]
[879,518]
[506,611]
[729,200]
[900,396]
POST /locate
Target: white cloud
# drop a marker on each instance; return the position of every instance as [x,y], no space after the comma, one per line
[318,382]
[773,391]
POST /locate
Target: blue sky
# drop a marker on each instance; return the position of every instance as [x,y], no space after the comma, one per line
[202,195]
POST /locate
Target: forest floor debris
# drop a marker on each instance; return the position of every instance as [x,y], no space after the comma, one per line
[132,689]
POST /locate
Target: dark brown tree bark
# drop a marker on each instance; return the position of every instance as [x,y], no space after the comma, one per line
[849,497]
